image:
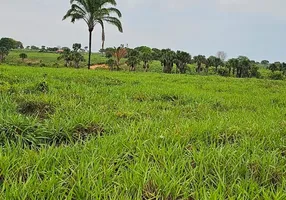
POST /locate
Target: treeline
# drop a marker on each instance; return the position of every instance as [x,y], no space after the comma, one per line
[180,62]
[52,49]
[6,44]
[171,61]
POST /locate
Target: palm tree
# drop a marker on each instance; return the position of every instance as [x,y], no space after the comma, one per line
[145,56]
[117,54]
[181,61]
[133,59]
[94,12]
[167,60]
[244,66]
[200,59]
[233,64]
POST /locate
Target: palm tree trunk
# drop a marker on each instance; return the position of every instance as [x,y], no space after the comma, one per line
[89,53]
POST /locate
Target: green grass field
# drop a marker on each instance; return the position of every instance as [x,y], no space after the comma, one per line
[49,59]
[79,134]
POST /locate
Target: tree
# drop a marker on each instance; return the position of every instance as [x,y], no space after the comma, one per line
[133,59]
[117,54]
[76,46]
[23,56]
[111,63]
[283,68]
[208,63]
[66,55]
[94,12]
[34,47]
[77,57]
[108,52]
[65,49]
[217,63]
[10,43]
[3,53]
[200,59]
[265,62]
[181,61]
[221,55]
[52,49]
[232,64]
[156,54]
[244,66]
[145,56]
[275,66]
[167,60]
[214,62]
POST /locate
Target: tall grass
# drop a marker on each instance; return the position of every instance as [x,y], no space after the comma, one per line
[79,134]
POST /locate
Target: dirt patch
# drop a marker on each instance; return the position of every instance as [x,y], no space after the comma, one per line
[35,108]
[83,132]
[150,191]
[101,66]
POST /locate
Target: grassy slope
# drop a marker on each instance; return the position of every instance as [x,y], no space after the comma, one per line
[168,136]
[47,58]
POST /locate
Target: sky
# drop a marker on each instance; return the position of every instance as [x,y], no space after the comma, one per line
[254,28]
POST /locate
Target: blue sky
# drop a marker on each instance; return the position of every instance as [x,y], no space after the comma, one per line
[255,28]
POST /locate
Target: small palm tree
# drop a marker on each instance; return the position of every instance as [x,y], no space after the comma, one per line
[94,12]
[145,56]
[181,61]
[117,54]
[200,59]
[167,60]
[233,64]
[133,60]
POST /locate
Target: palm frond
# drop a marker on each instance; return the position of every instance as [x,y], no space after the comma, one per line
[114,21]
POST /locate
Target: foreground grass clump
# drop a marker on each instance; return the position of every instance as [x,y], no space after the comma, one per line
[116,135]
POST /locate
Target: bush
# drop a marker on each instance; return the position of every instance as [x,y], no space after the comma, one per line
[223,71]
[254,72]
[23,56]
[277,75]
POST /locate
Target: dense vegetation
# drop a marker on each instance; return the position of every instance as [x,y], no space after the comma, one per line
[79,134]
[140,58]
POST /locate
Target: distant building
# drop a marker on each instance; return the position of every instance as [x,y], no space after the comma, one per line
[60,51]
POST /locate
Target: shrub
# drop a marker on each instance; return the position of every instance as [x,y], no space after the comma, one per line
[254,72]
[223,71]
[23,56]
[277,75]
